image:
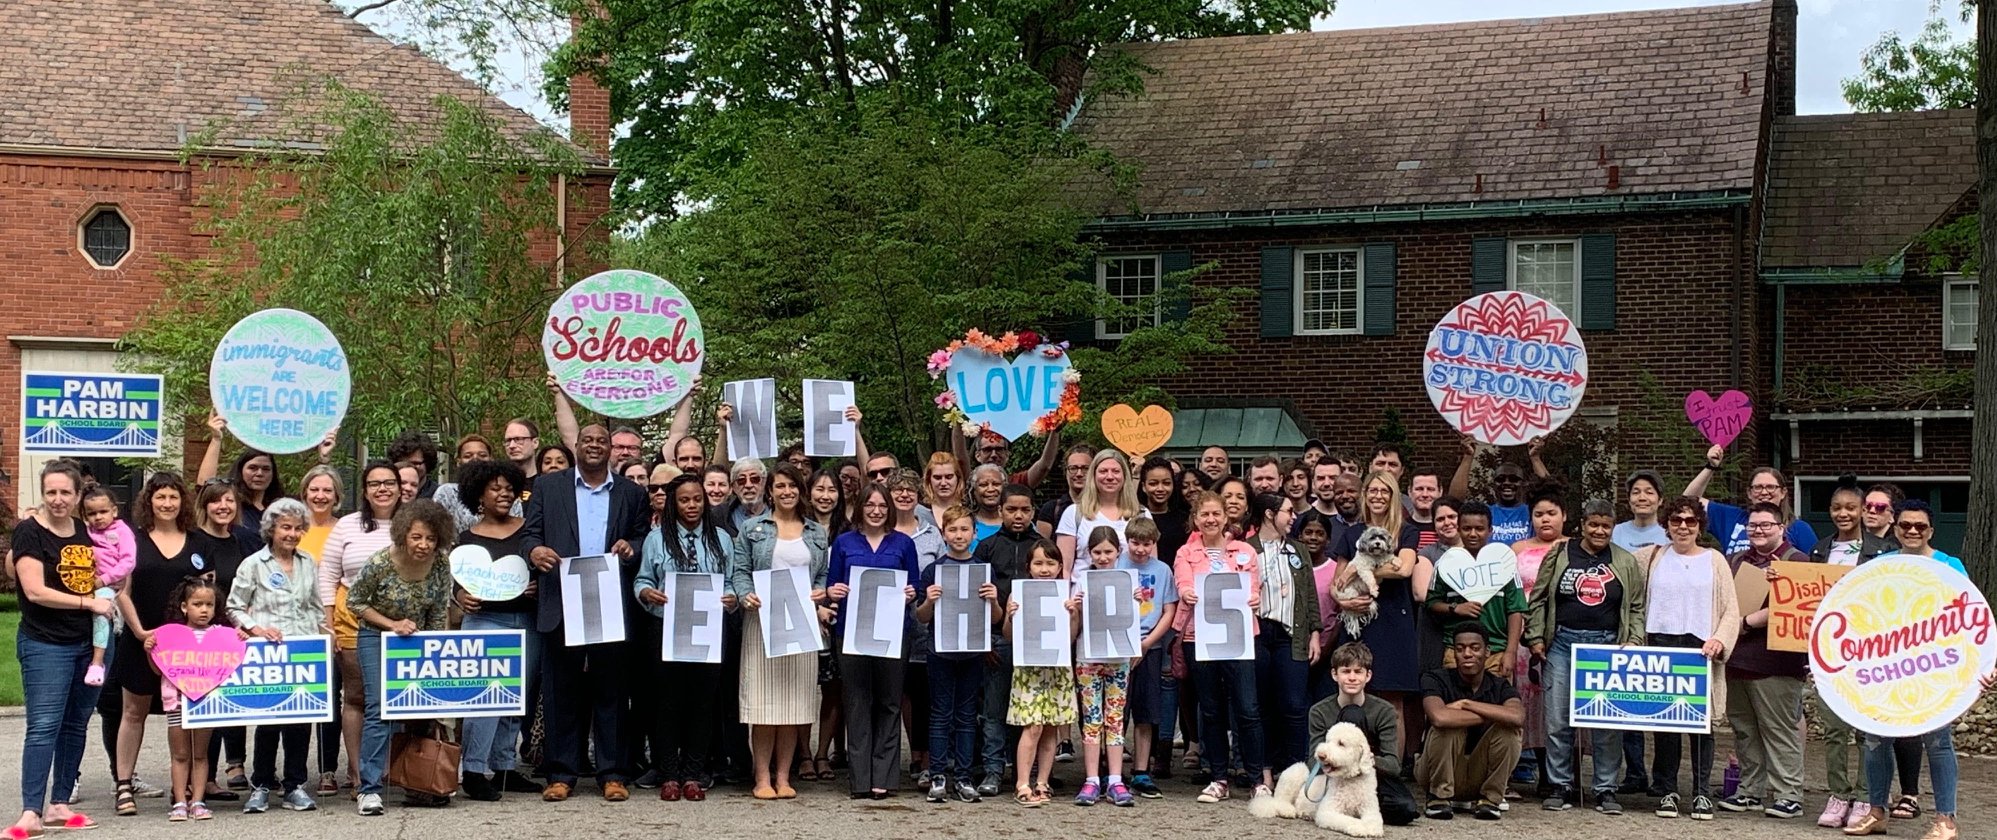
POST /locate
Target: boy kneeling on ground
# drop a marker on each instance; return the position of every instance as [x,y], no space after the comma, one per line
[1352,669]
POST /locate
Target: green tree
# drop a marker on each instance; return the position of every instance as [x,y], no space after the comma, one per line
[413,243]
[1934,70]
[1979,542]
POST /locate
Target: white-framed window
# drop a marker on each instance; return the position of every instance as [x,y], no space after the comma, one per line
[1959,313]
[1133,282]
[1549,269]
[1329,292]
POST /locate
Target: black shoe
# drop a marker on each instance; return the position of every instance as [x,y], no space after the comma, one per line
[513,781]
[478,788]
[413,799]
[649,780]
[1605,802]
[1201,778]
[989,785]
[1634,786]
[1488,810]
[1161,760]
[1438,810]
[1667,806]
[964,792]
[938,791]
[1559,800]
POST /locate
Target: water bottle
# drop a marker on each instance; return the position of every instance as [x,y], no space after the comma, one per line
[1732,784]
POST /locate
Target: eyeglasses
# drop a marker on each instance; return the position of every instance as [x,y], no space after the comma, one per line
[1766,488]
[1878,507]
[384,483]
[1077,468]
[1763,526]
[993,450]
[1683,520]
[1914,527]
[749,480]
[520,439]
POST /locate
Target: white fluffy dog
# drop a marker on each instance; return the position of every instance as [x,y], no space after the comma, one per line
[1373,550]
[1341,797]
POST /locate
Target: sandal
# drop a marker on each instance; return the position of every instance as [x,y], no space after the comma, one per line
[825,773]
[15,832]
[1043,793]
[1026,797]
[127,805]
[76,822]
[1908,808]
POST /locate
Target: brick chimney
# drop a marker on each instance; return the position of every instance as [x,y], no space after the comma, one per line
[589,104]
[1782,57]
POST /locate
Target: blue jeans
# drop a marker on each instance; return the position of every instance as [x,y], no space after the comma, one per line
[58,711]
[1283,686]
[1560,757]
[1228,705]
[374,730]
[1940,745]
[492,744]
[998,737]
[956,692]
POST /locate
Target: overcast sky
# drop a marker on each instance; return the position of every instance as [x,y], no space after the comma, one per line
[1832,34]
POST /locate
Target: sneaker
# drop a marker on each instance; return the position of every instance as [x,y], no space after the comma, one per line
[938,792]
[370,805]
[1119,795]
[1215,791]
[921,777]
[649,780]
[299,800]
[1835,812]
[199,811]
[141,788]
[1090,792]
[1667,806]
[1783,809]
[479,788]
[989,785]
[966,792]
[1702,807]
[1557,801]
[1740,803]
[1438,809]
[76,793]
[1605,802]
[1859,808]
[1065,753]
[1488,810]
[1873,821]
[329,785]
[178,813]
[1146,788]
[259,801]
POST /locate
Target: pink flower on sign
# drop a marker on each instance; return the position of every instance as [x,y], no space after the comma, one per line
[939,361]
[946,400]
[1505,367]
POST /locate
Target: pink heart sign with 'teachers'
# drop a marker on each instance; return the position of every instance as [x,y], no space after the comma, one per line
[1720,420]
[195,665]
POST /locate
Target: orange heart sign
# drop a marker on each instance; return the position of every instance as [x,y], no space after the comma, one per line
[1137,433]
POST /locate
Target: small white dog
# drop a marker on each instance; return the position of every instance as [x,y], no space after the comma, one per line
[1373,550]
[1341,797]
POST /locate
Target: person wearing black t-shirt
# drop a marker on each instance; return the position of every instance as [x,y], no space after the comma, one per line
[1476,728]
[491,488]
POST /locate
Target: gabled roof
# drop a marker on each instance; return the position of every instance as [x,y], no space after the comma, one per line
[1414,115]
[143,75]
[1852,190]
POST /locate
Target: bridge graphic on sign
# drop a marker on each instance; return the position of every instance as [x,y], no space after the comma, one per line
[53,433]
[494,696]
[1678,712]
[303,700]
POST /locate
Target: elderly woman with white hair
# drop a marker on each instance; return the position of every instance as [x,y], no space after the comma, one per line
[275,595]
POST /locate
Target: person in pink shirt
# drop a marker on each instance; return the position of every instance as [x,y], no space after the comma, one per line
[1208,551]
[116,554]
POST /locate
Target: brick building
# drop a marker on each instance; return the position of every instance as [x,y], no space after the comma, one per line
[97,99]
[1357,184]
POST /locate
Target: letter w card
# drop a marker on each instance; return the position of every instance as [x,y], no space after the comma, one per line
[1643,689]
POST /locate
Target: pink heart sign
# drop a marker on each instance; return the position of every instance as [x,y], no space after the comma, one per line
[1720,420]
[196,664]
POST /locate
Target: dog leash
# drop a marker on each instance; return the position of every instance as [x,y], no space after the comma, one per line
[1316,771]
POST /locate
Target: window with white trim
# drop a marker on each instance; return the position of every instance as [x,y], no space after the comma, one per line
[1549,269]
[1959,313]
[1132,282]
[1329,292]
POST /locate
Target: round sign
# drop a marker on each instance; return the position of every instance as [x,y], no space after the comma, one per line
[1505,367]
[281,380]
[624,343]
[1898,643]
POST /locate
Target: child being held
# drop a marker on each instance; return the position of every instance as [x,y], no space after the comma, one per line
[116,554]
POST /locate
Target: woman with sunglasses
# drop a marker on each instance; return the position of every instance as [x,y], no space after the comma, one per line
[1853,542]
[1881,506]
[1916,527]
[355,538]
[1691,603]
[778,697]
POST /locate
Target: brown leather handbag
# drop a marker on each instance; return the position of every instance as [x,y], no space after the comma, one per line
[424,762]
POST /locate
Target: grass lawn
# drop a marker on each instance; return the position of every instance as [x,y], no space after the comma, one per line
[10,667]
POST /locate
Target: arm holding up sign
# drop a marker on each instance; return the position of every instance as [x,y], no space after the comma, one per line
[682,423]
[565,414]
[211,458]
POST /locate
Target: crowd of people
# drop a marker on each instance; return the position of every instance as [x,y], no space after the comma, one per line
[1464,704]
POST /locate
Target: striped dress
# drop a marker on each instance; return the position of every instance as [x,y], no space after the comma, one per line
[781,691]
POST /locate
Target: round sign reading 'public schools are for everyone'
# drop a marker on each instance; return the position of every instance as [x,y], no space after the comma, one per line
[1505,367]
[624,343]
[281,380]
[1898,643]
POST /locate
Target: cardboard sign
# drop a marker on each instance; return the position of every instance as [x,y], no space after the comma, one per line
[1898,644]
[1645,689]
[1505,367]
[1007,395]
[196,663]
[281,380]
[753,432]
[453,673]
[789,624]
[90,415]
[1722,419]
[1137,433]
[1478,578]
[875,610]
[1793,597]
[963,621]
[624,343]
[826,432]
[1109,615]
[693,613]
[278,682]
[1223,625]
[1750,588]
[592,600]
[488,579]
[1042,632]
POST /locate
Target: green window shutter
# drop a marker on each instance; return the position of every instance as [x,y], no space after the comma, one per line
[1598,281]
[1177,303]
[1487,264]
[1081,332]
[1379,286]
[1279,269]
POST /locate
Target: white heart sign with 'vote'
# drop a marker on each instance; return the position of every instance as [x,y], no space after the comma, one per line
[1007,395]
[1480,577]
[488,579]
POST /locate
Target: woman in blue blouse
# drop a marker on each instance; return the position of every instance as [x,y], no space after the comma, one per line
[684,721]
[872,684]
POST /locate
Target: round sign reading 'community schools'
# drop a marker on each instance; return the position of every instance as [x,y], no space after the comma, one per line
[1898,643]
[1505,367]
[624,343]
[281,380]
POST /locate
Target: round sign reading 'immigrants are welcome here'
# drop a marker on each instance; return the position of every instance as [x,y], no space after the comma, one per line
[624,343]
[281,380]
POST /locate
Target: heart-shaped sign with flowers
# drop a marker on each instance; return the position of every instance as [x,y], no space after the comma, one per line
[1012,385]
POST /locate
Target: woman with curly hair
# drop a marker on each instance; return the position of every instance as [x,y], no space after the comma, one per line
[403,589]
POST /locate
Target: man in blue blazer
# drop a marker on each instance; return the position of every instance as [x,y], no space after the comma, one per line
[581,512]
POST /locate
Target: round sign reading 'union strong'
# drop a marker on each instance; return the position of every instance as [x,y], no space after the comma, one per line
[1897,645]
[624,343]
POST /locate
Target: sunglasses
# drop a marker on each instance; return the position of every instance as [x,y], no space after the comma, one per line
[1914,527]
[881,473]
[1878,507]
[1683,520]
[655,488]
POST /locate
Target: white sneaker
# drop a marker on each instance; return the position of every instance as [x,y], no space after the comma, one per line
[370,804]
[142,788]
[1215,791]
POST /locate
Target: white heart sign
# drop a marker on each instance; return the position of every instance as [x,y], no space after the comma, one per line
[1480,577]
[485,578]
